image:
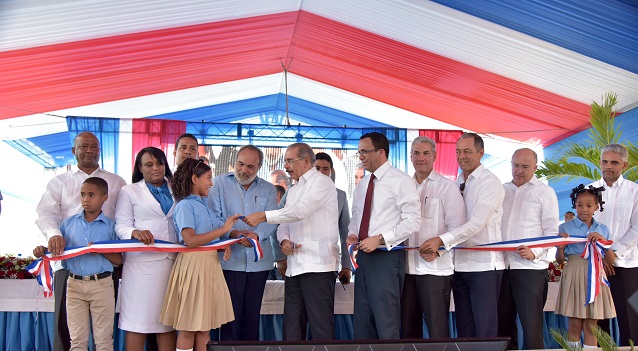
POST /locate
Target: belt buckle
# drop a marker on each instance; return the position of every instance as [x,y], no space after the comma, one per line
[86,278]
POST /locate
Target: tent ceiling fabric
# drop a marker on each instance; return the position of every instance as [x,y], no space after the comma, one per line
[461,66]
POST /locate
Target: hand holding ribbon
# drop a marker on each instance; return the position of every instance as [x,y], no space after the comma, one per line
[594,252]
[41,267]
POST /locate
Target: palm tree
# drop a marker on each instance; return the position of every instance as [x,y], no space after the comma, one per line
[581,160]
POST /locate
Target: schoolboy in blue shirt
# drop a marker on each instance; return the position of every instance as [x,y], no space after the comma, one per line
[90,298]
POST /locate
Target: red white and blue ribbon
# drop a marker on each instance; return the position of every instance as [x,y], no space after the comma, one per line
[43,272]
[259,253]
[353,256]
[131,245]
[594,252]
[532,243]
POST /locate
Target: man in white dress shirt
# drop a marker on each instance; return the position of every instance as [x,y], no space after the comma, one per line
[308,234]
[61,200]
[621,216]
[428,282]
[477,274]
[530,210]
[393,215]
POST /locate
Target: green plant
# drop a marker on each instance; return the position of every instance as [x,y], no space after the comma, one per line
[581,160]
[561,339]
[605,341]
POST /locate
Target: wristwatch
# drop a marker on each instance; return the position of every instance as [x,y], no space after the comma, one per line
[381,240]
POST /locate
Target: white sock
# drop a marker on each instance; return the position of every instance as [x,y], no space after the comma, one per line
[184,350]
[589,346]
[575,345]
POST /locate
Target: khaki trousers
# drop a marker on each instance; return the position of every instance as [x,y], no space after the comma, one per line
[90,303]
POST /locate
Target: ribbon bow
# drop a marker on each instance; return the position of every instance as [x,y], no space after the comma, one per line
[594,252]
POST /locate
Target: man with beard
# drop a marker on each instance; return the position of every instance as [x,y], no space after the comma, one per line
[241,191]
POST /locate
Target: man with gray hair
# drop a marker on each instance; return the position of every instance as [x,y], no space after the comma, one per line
[279,177]
[428,282]
[621,216]
[242,191]
[309,235]
[530,210]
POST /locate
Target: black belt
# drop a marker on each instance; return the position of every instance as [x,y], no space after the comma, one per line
[90,277]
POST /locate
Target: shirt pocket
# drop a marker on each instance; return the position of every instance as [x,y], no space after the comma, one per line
[430,208]
[261,202]
[309,253]
[70,202]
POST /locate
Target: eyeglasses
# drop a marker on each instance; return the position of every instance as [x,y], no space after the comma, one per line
[365,152]
[462,187]
[289,161]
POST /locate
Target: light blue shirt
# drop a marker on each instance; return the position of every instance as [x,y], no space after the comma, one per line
[192,212]
[577,228]
[162,195]
[78,232]
[226,198]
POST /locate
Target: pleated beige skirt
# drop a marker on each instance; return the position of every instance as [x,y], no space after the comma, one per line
[197,298]
[573,293]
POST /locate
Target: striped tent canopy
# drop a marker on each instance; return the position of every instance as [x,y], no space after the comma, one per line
[517,70]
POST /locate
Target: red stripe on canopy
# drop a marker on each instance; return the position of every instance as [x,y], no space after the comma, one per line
[429,84]
[87,72]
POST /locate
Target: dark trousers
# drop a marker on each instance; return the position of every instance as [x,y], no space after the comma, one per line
[623,285]
[429,296]
[61,336]
[377,294]
[476,303]
[523,291]
[310,299]
[246,292]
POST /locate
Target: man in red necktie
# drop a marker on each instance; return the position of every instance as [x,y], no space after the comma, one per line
[386,211]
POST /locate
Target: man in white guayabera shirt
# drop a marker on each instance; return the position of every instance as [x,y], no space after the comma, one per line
[530,210]
[308,234]
[621,216]
[428,282]
[62,200]
[477,274]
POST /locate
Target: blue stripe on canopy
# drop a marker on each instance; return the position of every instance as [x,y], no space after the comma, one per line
[271,109]
[604,30]
[53,150]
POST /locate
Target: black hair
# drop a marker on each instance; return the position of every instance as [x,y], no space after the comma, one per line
[569,212]
[186,135]
[182,179]
[280,190]
[478,141]
[581,189]
[379,141]
[157,154]
[324,156]
[100,183]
